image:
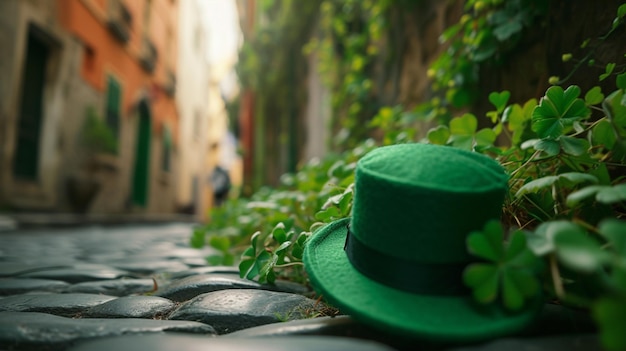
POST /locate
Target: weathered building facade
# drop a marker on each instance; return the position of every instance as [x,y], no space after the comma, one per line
[88,119]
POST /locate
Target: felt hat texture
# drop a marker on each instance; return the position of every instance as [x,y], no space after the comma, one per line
[397,263]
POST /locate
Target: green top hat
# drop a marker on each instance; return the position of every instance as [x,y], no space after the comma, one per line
[397,264]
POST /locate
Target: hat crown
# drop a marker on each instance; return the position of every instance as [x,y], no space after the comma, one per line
[418,202]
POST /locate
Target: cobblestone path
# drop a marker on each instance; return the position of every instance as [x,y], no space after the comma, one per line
[144,288]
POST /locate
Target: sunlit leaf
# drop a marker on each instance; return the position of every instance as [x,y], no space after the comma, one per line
[499,100]
[197,238]
[594,96]
[465,142]
[327,214]
[485,137]
[439,135]
[219,242]
[464,125]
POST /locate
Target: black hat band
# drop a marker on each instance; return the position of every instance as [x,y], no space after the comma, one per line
[411,276]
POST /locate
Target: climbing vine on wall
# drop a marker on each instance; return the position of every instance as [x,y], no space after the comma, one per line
[348,43]
[487,31]
[565,152]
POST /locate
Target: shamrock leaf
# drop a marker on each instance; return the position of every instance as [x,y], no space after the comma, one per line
[499,100]
[509,271]
[604,194]
[439,135]
[464,135]
[557,111]
[594,96]
[566,180]
[573,247]
[517,117]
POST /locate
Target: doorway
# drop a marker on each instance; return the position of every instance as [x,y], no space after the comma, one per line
[26,157]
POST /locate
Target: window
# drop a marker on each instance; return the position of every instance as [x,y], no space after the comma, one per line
[113,102]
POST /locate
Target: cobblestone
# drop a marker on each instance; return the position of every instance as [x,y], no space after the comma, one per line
[141,287]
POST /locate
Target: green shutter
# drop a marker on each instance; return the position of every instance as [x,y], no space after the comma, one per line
[142,157]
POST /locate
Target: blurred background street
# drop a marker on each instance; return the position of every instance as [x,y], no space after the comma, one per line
[116,108]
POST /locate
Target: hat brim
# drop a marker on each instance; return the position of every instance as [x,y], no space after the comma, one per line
[431,317]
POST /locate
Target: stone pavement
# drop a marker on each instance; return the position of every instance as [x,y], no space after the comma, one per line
[142,287]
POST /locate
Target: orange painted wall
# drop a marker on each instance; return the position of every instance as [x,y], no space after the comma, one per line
[104,54]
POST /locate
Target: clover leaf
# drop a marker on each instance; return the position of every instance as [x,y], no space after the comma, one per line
[605,194]
[439,135]
[509,270]
[564,180]
[557,111]
[464,135]
[517,118]
[499,100]
[572,245]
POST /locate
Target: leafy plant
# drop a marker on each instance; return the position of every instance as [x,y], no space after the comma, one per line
[487,30]
[509,271]
[282,219]
[97,137]
[565,154]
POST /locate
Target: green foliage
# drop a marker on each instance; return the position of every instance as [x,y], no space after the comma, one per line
[509,270]
[487,31]
[351,32]
[565,154]
[97,137]
[282,219]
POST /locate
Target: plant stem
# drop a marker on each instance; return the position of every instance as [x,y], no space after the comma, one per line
[556,277]
[289,264]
